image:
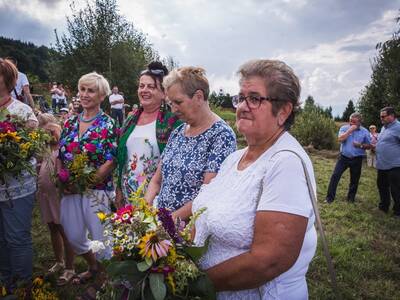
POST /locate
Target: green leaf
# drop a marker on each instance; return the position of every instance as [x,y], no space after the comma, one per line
[157,286]
[127,269]
[143,266]
[148,260]
[196,253]
[202,287]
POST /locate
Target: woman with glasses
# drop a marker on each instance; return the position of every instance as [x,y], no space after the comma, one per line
[259,217]
[144,134]
[195,150]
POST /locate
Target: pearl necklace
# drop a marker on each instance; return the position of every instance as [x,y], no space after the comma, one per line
[91,119]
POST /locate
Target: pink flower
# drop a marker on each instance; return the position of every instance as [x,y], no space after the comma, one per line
[94,135]
[90,148]
[72,146]
[63,175]
[6,127]
[104,133]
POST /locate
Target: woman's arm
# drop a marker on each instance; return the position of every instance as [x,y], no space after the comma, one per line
[104,170]
[186,211]
[154,186]
[278,238]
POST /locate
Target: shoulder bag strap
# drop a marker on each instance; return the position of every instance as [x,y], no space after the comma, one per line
[331,269]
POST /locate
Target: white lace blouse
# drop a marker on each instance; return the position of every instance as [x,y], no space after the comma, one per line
[232,200]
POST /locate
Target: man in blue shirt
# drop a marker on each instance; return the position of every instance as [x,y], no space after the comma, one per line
[354,140]
[388,161]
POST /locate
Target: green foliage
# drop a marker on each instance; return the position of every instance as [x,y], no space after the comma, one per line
[31,59]
[310,104]
[313,127]
[220,100]
[100,39]
[348,111]
[384,87]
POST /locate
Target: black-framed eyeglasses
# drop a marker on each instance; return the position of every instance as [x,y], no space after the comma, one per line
[156,72]
[252,101]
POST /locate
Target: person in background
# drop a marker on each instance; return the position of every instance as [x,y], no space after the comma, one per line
[371,155]
[17,194]
[144,134]
[195,150]
[49,202]
[76,106]
[61,97]
[388,161]
[259,219]
[354,139]
[21,90]
[117,105]
[54,97]
[64,114]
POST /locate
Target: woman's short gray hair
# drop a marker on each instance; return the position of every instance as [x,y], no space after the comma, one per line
[97,81]
[280,82]
[190,79]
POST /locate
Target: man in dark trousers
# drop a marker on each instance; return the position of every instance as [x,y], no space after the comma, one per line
[354,140]
[388,161]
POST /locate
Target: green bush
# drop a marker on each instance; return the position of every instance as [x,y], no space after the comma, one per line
[314,128]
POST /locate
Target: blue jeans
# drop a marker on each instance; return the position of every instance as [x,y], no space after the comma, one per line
[15,239]
[117,114]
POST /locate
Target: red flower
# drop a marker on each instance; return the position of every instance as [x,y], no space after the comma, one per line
[104,133]
[90,148]
[63,175]
[71,147]
[6,127]
[94,135]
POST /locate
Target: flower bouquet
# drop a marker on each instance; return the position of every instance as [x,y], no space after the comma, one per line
[18,144]
[76,175]
[153,256]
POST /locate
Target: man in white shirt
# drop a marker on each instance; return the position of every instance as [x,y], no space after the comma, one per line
[117,104]
[21,91]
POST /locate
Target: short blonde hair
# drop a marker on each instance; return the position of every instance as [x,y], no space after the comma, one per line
[190,79]
[46,118]
[97,81]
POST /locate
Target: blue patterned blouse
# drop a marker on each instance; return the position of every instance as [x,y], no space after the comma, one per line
[186,159]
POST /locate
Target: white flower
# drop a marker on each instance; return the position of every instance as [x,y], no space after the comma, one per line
[96,246]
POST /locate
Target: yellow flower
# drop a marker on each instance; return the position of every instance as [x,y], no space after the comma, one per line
[33,135]
[79,163]
[10,135]
[171,258]
[171,283]
[38,281]
[102,216]
[25,146]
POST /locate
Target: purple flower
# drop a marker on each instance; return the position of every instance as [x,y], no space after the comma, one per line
[63,175]
[68,156]
[168,223]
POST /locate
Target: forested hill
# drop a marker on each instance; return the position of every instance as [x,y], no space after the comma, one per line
[31,58]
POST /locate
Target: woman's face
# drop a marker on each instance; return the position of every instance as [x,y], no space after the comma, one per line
[184,107]
[90,97]
[256,124]
[149,92]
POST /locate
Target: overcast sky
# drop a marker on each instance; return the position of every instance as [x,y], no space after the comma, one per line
[330,44]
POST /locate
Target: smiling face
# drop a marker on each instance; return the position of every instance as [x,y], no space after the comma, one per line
[256,124]
[149,92]
[89,96]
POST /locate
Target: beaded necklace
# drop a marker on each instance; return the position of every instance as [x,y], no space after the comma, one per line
[91,119]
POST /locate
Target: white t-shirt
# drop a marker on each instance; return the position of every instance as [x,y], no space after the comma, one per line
[232,199]
[143,157]
[21,82]
[116,97]
[21,110]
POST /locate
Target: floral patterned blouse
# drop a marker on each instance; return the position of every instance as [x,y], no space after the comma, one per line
[99,142]
[186,159]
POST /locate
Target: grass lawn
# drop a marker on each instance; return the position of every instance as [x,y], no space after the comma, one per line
[364,242]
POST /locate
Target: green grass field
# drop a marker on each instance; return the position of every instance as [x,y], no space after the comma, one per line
[363,241]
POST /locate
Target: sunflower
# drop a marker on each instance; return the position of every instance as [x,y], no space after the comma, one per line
[152,247]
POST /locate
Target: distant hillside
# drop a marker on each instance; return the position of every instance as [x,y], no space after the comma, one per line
[31,58]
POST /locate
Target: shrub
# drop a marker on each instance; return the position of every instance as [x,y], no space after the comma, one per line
[314,128]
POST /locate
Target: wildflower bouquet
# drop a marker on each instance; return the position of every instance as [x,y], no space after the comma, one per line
[18,144]
[77,174]
[153,256]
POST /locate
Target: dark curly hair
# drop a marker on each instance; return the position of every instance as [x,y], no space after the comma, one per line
[157,71]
